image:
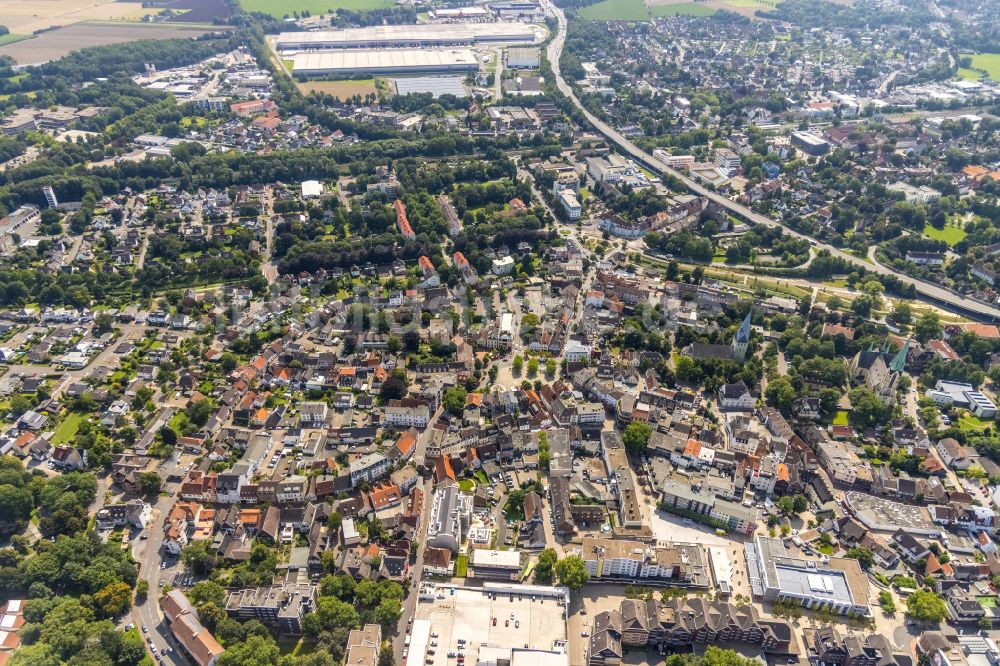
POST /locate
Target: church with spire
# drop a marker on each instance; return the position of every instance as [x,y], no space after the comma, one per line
[735,351]
[880,370]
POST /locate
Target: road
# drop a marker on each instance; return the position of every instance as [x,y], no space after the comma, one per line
[148,613]
[951,300]
[416,572]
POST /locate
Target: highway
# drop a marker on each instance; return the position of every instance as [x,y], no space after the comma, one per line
[937,294]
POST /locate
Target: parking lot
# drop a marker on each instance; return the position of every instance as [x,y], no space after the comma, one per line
[885,515]
[506,621]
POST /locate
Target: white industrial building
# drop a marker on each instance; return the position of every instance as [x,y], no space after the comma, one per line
[384,61]
[523,57]
[423,34]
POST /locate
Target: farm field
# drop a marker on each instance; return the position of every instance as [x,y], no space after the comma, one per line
[637,10]
[282,8]
[25,17]
[57,43]
[988,62]
[340,89]
[11,38]
[950,234]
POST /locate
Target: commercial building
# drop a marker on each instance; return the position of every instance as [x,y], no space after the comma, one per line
[810,143]
[523,58]
[681,565]
[419,35]
[495,564]
[839,586]
[278,606]
[963,395]
[451,516]
[570,204]
[498,624]
[683,497]
[363,646]
[387,61]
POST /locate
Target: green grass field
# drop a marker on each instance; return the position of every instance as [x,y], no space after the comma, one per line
[969,423]
[988,62]
[467,485]
[950,234]
[616,10]
[841,419]
[282,8]
[67,429]
[10,38]
[684,9]
[462,566]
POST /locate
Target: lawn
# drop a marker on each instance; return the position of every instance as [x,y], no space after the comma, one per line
[467,485]
[987,601]
[969,423]
[67,429]
[951,234]
[987,62]
[282,8]
[840,419]
[826,550]
[462,566]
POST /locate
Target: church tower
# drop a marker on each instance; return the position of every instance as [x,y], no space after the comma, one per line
[742,340]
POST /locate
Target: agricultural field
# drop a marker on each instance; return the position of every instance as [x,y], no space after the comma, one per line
[54,44]
[340,89]
[282,8]
[25,17]
[981,62]
[11,38]
[637,10]
[951,234]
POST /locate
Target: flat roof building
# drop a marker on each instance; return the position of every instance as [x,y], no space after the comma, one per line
[384,61]
[424,34]
[495,564]
[839,586]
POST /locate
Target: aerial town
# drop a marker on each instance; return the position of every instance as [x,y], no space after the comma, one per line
[511,333]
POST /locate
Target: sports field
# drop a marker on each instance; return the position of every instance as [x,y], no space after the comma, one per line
[986,62]
[282,8]
[951,233]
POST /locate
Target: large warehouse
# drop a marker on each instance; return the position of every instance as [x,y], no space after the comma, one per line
[425,34]
[384,61]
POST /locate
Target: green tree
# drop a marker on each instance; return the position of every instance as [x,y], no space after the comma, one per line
[199,556]
[113,598]
[254,651]
[150,483]
[454,400]
[926,606]
[886,601]
[780,393]
[572,572]
[331,613]
[546,562]
[928,327]
[864,556]
[518,364]
[205,591]
[636,436]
